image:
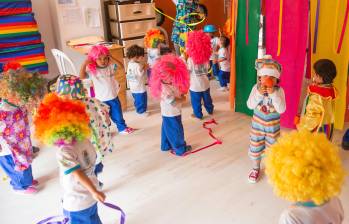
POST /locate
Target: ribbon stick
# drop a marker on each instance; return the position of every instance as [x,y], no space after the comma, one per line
[210,133]
[344,27]
[280,28]
[316,26]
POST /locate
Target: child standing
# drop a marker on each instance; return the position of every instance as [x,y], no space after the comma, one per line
[267,100]
[169,82]
[306,169]
[19,93]
[215,42]
[100,68]
[224,63]
[199,52]
[318,115]
[137,78]
[153,40]
[64,124]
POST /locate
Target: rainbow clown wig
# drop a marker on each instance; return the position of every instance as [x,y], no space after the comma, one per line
[96,52]
[153,38]
[61,121]
[169,69]
[199,47]
[305,167]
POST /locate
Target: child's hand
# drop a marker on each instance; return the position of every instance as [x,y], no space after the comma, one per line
[270,90]
[99,196]
[262,90]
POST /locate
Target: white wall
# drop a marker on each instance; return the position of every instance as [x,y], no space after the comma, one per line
[42,13]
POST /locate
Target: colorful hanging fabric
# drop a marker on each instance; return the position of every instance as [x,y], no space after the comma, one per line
[294,32]
[247,22]
[15,7]
[344,28]
[280,27]
[316,29]
[234,7]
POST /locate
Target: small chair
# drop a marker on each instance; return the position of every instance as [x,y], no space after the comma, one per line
[61,60]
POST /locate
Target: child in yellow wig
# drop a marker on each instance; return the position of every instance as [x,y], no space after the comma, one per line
[305,168]
[64,124]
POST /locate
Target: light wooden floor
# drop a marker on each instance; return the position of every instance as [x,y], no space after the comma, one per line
[158,188]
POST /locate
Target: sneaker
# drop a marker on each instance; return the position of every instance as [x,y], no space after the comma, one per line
[29,190]
[187,149]
[100,184]
[35,149]
[223,89]
[145,114]
[253,176]
[195,117]
[35,183]
[127,131]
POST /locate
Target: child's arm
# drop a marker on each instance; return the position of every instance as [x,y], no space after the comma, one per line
[86,182]
[83,73]
[278,99]
[255,98]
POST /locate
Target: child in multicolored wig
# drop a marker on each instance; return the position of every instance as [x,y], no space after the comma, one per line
[215,42]
[64,124]
[152,41]
[306,169]
[101,68]
[71,87]
[318,114]
[19,93]
[199,52]
[137,78]
[267,100]
[169,83]
[224,63]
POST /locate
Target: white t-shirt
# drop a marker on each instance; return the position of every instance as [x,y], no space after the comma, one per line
[199,81]
[329,213]
[169,106]
[224,65]
[214,44]
[5,149]
[70,158]
[136,77]
[153,55]
[105,85]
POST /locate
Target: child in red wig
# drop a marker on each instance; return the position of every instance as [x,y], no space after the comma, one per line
[169,83]
[199,52]
[101,68]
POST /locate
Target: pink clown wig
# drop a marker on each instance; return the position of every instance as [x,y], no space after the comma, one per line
[199,47]
[95,52]
[169,69]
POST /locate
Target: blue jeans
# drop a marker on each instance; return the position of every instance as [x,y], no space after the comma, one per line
[20,180]
[172,135]
[140,102]
[215,69]
[224,78]
[86,216]
[196,99]
[115,113]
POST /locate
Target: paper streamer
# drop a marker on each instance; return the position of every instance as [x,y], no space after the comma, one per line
[344,28]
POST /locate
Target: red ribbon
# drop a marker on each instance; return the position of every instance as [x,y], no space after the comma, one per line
[344,27]
[210,133]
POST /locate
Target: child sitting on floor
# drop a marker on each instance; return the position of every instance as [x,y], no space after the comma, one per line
[199,52]
[137,78]
[267,100]
[169,83]
[306,169]
[101,69]
[19,93]
[64,124]
[318,115]
[224,63]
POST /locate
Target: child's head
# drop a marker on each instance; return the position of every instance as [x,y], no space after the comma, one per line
[165,50]
[60,121]
[325,71]
[135,52]
[224,41]
[199,47]
[268,71]
[99,56]
[210,30]
[169,69]
[304,166]
[153,38]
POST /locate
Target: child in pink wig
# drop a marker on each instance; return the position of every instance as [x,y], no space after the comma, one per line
[101,68]
[199,51]
[169,82]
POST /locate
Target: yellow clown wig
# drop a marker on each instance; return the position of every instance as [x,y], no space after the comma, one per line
[304,167]
[153,38]
[61,121]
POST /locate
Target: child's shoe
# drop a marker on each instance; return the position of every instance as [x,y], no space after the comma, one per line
[35,183]
[223,89]
[28,191]
[253,176]
[195,117]
[127,131]
[145,114]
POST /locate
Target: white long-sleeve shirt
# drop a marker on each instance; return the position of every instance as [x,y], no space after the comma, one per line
[277,99]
